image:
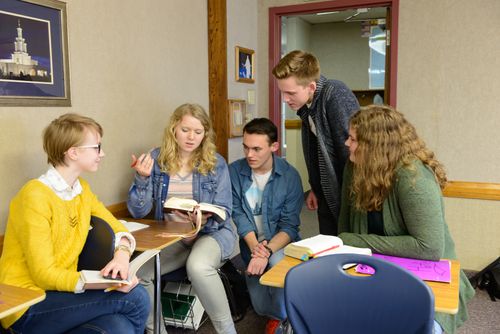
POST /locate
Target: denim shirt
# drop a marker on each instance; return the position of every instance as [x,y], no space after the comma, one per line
[282,201]
[213,188]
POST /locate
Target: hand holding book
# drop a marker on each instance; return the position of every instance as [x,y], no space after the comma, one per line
[193,217]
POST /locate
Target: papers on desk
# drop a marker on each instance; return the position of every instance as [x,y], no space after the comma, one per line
[133,226]
[437,271]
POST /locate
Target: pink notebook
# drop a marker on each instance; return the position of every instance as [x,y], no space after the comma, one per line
[438,271]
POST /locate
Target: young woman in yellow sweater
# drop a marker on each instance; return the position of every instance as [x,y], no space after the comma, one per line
[47,228]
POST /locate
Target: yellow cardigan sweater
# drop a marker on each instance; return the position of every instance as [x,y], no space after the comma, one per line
[44,237]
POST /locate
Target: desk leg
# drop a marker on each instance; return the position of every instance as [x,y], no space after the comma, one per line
[157,296]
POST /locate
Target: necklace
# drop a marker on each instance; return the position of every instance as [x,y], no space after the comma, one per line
[183,178]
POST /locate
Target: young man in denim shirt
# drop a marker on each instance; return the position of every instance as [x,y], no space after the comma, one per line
[267,199]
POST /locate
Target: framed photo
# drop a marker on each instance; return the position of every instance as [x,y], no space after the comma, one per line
[237,117]
[245,61]
[34,68]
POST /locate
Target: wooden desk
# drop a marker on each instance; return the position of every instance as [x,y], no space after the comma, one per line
[149,238]
[13,299]
[445,294]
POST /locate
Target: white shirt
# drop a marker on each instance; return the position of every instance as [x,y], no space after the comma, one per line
[254,198]
[311,122]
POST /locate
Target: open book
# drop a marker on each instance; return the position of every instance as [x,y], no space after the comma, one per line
[189,205]
[94,276]
[312,247]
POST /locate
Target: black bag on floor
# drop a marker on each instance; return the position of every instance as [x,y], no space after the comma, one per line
[236,290]
[489,279]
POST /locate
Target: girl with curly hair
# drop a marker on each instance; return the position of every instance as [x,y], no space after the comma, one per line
[391,196]
[186,165]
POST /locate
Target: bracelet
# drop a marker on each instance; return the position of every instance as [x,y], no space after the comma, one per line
[124,248]
[269,250]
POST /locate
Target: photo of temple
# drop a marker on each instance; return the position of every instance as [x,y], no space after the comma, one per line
[21,66]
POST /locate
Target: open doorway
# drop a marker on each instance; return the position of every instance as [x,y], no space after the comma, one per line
[361,50]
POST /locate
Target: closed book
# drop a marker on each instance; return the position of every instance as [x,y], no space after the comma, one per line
[312,247]
[94,276]
[345,249]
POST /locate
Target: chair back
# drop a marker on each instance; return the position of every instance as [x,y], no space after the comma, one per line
[321,297]
[99,247]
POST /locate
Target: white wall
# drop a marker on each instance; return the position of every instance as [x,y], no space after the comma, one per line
[241,23]
[130,66]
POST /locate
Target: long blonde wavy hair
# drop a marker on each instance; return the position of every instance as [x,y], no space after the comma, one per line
[203,158]
[386,140]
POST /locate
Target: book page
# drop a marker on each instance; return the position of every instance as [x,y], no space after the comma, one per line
[215,209]
[184,204]
[140,259]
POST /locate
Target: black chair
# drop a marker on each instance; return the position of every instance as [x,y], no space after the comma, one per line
[321,298]
[99,247]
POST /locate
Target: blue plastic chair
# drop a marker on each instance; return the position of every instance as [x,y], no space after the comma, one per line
[320,297]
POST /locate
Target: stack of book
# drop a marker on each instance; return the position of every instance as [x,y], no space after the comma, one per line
[321,245]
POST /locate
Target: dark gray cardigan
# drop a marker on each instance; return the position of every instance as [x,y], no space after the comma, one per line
[332,105]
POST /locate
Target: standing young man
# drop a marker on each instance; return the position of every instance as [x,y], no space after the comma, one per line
[325,107]
[267,199]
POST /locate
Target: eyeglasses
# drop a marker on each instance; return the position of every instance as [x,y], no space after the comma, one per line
[97,146]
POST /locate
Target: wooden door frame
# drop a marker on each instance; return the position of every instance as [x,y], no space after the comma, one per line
[217,73]
[275,14]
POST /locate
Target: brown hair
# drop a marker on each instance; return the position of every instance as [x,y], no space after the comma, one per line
[64,132]
[204,158]
[304,66]
[386,141]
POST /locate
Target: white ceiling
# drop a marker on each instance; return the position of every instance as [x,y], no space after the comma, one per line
[372,13]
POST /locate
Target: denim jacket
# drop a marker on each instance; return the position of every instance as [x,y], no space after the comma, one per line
[214,188]
[282,201]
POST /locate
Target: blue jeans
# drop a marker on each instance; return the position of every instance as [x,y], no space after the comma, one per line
[93,311]
[266,300]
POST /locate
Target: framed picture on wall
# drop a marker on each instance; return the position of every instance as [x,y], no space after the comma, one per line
[245,61]
[34,68]
[237,117]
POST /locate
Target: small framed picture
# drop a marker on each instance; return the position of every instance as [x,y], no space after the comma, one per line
[237,117]
[245,65]
[34,68]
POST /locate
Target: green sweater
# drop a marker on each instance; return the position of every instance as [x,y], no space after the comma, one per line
[414,226]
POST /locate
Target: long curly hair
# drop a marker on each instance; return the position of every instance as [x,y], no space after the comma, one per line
[204,157]
[386,141]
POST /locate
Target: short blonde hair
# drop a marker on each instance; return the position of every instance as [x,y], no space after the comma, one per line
[204,158]
[304,66]
[64,132]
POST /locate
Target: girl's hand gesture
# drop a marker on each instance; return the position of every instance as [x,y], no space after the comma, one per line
[143,165]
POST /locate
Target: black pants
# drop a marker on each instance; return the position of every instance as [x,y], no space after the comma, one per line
[328,223]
